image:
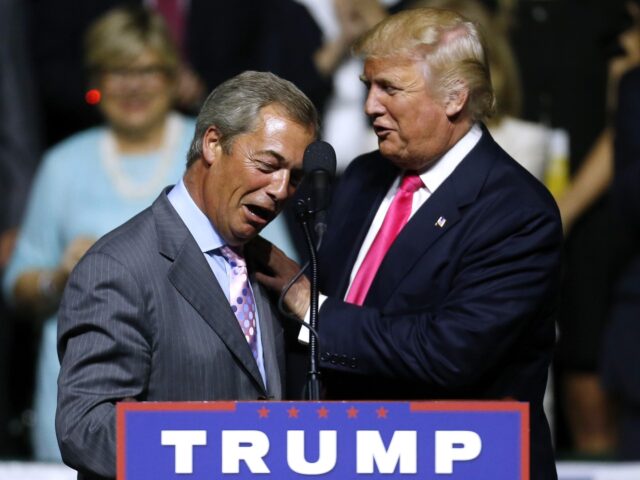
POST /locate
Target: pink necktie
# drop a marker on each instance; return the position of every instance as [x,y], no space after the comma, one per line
[396,218]
[241,297]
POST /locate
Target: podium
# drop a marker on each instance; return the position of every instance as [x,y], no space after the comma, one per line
[325,440]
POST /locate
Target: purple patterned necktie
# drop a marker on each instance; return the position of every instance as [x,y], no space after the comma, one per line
[241,297]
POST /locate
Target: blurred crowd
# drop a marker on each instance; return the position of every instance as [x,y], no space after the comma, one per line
[96,105]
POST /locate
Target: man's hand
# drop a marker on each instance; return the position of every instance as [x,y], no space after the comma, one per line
[275,270]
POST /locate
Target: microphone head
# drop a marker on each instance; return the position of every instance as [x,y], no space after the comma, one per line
[319,155]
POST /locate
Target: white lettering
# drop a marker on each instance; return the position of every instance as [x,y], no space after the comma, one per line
[184,441]
[455,446]
[402,449]
[249,446]
[327,453]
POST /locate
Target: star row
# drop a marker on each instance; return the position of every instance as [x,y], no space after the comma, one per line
[323,412]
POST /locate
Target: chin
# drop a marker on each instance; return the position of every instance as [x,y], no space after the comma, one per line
[246,235]
[395,157]
[405,162]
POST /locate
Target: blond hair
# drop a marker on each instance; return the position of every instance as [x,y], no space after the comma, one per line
[122,34]
[450,46]
[505,75]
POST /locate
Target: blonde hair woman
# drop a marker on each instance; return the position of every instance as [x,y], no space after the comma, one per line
[97,179]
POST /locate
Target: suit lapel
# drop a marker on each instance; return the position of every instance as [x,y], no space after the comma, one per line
[268,333]
[434,218]
[414,240]
[191,275]
[353,227]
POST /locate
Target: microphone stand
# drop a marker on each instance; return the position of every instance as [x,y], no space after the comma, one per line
[303,214]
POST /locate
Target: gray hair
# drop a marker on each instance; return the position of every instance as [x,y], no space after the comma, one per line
[234,106]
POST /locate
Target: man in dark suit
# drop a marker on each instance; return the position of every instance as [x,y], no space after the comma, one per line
[441,274]
[163,307]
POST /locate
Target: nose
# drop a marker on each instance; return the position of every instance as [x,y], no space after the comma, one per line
[373,106]
[279,189]
[135,82]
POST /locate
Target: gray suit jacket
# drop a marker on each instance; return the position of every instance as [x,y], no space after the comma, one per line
[143,317]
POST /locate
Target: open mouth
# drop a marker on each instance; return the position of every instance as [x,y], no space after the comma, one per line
[381,131]
[257,213]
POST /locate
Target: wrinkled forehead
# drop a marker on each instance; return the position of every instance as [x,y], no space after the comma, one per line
[393,67]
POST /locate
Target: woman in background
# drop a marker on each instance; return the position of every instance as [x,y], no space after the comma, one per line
[97,179]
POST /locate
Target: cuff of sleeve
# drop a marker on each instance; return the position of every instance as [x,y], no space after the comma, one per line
[303,336]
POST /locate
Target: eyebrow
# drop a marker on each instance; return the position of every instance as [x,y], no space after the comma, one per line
[380,81]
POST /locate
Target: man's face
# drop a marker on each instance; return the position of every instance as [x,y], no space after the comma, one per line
[246,188]
[412,126]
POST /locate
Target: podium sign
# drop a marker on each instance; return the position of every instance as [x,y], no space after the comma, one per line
[326,440]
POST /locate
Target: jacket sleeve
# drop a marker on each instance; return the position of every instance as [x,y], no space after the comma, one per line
[104,350]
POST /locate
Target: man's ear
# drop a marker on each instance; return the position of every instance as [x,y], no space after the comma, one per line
[456,101]
[211,146]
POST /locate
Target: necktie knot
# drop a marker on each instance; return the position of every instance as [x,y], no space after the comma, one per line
[411,182]
[234,257]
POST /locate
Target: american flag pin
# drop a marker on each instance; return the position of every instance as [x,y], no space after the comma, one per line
[440,222]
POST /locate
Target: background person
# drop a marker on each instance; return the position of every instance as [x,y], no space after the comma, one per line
[620,351]
[19,154]
[97,179]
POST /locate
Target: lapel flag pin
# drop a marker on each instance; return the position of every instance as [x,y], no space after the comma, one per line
[440,222]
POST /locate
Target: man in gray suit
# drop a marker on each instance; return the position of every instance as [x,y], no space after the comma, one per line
[163,307]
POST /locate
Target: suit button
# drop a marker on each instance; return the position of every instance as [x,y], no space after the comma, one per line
[323,357]
[354,362]
[343,360]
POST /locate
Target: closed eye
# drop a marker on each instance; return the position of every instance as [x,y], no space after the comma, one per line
[266,166]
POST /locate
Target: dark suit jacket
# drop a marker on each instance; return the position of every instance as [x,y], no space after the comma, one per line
[143,317]
[462,311]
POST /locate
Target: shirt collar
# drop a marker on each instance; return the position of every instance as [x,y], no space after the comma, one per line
[438,172]
[196,221]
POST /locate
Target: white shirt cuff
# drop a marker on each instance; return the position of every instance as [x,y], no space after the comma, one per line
[303,336]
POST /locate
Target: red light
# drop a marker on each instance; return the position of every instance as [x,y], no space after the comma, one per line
[92,97]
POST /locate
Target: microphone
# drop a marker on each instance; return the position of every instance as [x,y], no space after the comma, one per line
[319,165]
